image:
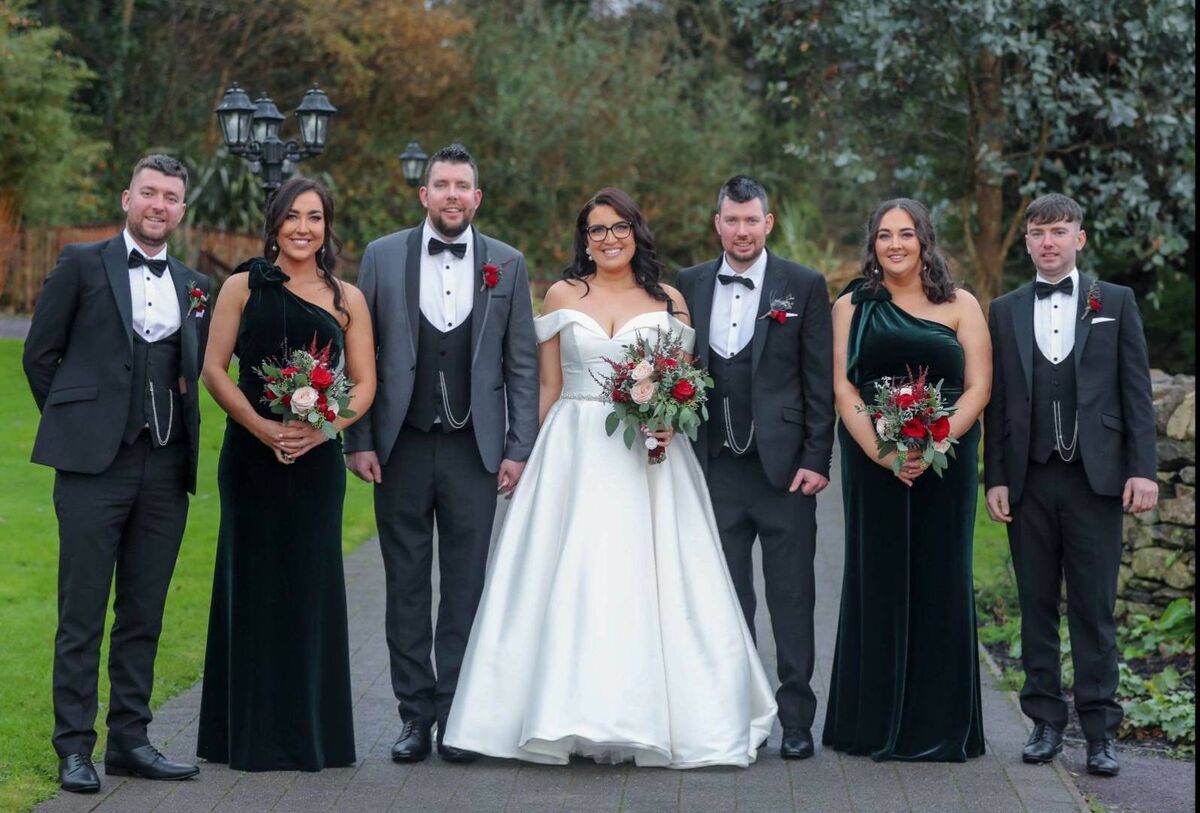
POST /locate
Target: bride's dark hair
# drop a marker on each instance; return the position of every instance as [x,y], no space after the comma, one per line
[647,269]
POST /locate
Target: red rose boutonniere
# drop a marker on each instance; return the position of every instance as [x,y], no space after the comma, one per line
[492,272]
[779,309]
[197,302]
[1093,301]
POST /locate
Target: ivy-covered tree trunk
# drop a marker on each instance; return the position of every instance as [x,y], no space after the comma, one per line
[990,123]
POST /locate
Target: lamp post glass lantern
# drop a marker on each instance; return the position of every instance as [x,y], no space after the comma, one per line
[251,131]
[412,163]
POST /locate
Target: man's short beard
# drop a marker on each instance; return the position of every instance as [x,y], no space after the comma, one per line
[445,230]
[144,239]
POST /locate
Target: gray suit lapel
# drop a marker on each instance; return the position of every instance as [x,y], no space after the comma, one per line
[483,297]
[1022,316]
[116,264]
[182,280]
[774,287]
[1083,327]
[702,318]
[412,286]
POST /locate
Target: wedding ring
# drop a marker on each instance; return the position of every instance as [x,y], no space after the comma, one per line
[287,457]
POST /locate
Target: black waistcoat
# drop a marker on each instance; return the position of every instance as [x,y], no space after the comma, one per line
[443,378]
[155,401]
[730,417]
[1052,383]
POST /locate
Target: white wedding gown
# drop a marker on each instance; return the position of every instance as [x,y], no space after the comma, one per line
[609,626]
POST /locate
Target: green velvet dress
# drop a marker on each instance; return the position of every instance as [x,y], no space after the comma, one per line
[905,681]
[276,692]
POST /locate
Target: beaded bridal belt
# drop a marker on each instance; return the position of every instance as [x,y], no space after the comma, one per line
[584,396]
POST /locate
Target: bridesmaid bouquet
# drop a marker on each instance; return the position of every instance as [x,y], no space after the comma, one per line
[651,389]
[909,414]
[305,387]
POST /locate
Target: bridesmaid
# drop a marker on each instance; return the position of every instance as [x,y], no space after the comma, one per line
[905,681]
[276,692]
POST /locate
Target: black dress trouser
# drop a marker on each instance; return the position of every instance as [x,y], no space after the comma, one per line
[432,475]
[129,519]
[1063,529]
[747,507]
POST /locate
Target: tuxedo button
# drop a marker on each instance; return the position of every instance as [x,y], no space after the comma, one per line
[410,369]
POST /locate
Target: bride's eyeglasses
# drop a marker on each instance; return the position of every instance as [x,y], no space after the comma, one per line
[620,230]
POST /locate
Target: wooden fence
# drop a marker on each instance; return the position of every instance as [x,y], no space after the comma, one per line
[28,255]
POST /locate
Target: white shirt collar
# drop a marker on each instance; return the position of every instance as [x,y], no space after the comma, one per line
[1074,275]
[131,244]
[756,272]
[430,231]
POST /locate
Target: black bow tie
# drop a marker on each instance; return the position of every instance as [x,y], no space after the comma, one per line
[1043,289]
[738,278]
[156,266]
[436,246]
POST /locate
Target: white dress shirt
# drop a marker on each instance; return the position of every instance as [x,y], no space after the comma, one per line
[735,308]
[155,301]
[1054,320]
[447,283]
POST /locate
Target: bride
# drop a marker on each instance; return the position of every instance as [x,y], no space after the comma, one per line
[609,626]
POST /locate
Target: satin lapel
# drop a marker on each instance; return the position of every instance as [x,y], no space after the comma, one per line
[1022,316]
[1083,327]
[483,297]
[702,318]
[774,287]
[412,286]
[182,279]
[116,264]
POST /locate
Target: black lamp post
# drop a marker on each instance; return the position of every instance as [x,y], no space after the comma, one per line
[251,131]
[412,163]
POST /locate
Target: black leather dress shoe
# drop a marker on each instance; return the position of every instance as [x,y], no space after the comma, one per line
[147,763]
[77,774]
[797,744]
[1044,744]
[452,754]
[1102,757]
[413,744]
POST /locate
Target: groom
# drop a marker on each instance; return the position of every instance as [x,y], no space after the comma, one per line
[1069,443]
[114,348]
[764,332]
[454,326]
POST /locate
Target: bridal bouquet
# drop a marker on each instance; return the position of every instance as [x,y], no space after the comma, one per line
[651,389]
[305,387]
[909,413]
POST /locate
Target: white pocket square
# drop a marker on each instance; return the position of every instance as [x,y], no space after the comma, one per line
[1101,319]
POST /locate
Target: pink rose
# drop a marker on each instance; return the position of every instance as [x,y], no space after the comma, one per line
[643,391]
[643,370]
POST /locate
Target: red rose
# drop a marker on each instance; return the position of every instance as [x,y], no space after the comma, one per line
[287,399]
[288,372]
[329,416]
[779,316]
[668,362]
[1094,304]
[940,429]
[906,400]
[491,275]
[913,428]
[196,292]
[878,415]
[683,390]
[270,396]
[320,377]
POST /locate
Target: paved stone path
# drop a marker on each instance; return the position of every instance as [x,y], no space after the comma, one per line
[828,783]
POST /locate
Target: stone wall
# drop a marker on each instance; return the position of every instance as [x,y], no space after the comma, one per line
[1158,563]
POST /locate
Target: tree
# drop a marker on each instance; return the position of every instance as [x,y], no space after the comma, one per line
[979,107]
[48,157]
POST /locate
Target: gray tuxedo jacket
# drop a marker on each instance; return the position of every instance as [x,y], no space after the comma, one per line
[79,357]
[504,380]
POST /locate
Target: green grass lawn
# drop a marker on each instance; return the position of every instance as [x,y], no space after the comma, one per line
[29,550]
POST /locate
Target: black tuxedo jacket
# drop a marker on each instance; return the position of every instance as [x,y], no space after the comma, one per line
[1112,379]
[792,366]
[79,357]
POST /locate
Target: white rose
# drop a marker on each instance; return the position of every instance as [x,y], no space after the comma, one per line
[881,428]
[642,391]
[942,446]
[303,400]
[332,406]
[651,443]
[905,391]
[642,371]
